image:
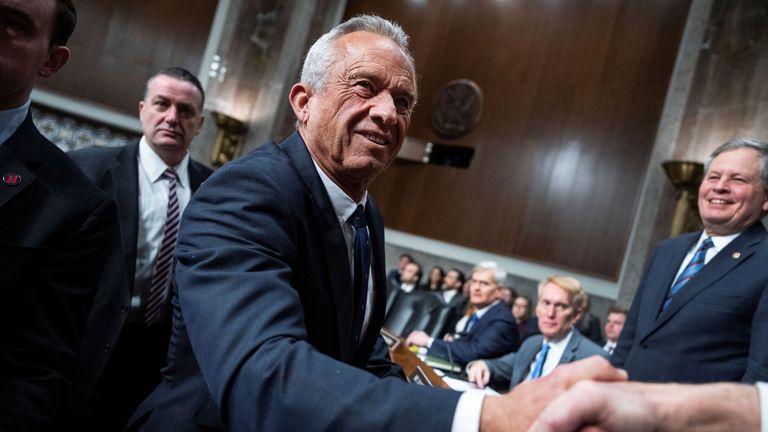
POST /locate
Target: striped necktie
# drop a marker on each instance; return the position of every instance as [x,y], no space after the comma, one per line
[161,272]
[693,267]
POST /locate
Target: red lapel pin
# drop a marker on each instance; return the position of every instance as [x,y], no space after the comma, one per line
[12,179]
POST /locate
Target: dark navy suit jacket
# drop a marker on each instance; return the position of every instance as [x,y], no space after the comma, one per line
[115,170]
[715,328]
[262,335]
[492,335]
[55,226]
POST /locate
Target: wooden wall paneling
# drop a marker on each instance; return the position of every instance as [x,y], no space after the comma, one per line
[729,94]
[117,45]
[573,94]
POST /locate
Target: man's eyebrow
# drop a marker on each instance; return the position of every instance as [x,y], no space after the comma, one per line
[17,14]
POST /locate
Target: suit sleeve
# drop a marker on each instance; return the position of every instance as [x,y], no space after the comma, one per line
[236,259]
[501,369]
[499,337]
[49,308]
[757,362]
[627,337]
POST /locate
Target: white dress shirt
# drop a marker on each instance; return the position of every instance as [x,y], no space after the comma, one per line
[11,119]
[762,390]
[719,242]
[153,206]
[344,206]
[467,415]
[556,350]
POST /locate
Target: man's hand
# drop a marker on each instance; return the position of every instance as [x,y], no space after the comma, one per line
[478,373]
[637,407]
[418,338]
[517,410]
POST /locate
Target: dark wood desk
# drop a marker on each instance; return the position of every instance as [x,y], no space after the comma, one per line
[416,371]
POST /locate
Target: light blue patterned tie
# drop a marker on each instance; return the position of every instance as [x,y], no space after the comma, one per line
[537,369]
[693,267]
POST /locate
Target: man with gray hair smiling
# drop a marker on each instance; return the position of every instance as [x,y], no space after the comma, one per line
[699,314]
[280,278]
[489,331]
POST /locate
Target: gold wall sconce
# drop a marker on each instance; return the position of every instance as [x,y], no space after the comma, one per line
[229,139]
[686,177]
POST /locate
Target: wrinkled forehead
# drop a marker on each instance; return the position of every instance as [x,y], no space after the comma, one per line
[362,46]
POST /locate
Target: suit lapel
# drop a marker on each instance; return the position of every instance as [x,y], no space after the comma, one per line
[124,175]
[665,276]
[197,174]
[375,228]
[737,252]
[570,349]
[528,358]
[336,254]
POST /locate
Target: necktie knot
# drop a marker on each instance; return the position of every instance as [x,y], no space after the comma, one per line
[170,175]
[697,263]
[357,219]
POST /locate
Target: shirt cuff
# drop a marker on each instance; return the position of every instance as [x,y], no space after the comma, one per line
[466,418]
[429,343]
[762,390]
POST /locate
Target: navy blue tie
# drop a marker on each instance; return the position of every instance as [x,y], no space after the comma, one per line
[693,267]
[362,264]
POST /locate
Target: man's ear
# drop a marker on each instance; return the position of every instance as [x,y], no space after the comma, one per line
[57,57]
[300,96]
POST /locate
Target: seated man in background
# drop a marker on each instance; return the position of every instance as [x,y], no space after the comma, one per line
[453,298]
[409,282]
[394,274]
[488,332]
[561,302]
[614,323]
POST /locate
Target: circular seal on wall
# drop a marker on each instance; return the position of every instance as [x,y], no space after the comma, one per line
[457,108]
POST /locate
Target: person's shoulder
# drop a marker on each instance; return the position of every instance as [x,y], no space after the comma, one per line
[587,347]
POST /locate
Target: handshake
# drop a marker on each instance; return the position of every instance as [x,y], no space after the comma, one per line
[592,395]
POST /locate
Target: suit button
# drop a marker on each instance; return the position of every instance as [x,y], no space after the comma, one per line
[643,345]
[124,308]
[107,348]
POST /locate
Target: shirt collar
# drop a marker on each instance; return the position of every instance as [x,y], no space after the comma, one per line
[343,205]
[719,242]
[154,166]
[11,119]
[560,344]
[481,312]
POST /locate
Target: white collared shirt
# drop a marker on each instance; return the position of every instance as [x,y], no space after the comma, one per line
[762,389]
[719,242]
[448,295]
[556,350]
[153,206]
[344,206]
[462,323]
[11,119]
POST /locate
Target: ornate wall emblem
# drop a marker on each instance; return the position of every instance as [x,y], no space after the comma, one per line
[457,108]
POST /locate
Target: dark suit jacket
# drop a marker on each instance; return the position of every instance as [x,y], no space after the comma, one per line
[263,313]
[457,306]
[115,170]
[53,240]
[714,329]
[492,335]
[513,367]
